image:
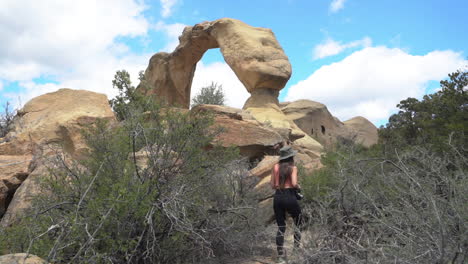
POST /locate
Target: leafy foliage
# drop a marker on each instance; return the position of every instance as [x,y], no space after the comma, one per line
[212,94]
[434,118]
[150,192]
[128,100]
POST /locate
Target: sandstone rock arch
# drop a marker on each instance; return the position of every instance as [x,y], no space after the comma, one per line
[253,54]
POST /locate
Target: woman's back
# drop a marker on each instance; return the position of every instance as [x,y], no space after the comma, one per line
[289,180]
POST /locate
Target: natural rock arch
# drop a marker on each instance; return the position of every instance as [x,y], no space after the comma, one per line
[253,54]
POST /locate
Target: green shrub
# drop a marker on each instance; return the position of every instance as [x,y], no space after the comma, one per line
[182,204]
[212,94]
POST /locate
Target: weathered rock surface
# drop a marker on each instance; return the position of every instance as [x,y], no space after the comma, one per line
[231,112]
[314,119]
[253,53]
[21,258]
[253,140]
[274,118]
[13,171]
[24,194]
[56,118]
[263,168]
[366,133]
[46,124]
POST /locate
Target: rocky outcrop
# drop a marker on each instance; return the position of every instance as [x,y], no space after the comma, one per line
[13,171]
[21,201]
[240,130]
[366,133]
[56,119]
[230,112]
[263,168]
[316,121]
[49,123]
[21,258]
[253,53]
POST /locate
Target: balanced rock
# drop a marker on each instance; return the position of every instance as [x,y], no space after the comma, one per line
[253,53]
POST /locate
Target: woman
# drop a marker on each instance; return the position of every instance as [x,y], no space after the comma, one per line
[284,181]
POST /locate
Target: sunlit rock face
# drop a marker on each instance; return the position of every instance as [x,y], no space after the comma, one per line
[366,132]
[316,121]
[46,125]
[55,118]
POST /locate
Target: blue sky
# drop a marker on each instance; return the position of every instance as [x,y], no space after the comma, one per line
[357,57]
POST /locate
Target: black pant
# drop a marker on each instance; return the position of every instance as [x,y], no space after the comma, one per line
[285,201]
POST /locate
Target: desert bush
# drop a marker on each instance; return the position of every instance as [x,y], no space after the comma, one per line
[409,207]
[211,94]
[6,119]
[151,191]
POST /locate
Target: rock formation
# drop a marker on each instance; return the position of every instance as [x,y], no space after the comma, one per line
[13,171]
[365,131]
[46,123]
[55,118]
[243,131]
[315,120]
[253,53]
[21,258]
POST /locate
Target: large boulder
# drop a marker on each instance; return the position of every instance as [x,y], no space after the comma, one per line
[46,125]
[21,258]
[56,118]
[240,130]
[264,167]
[253,53]
[366,132]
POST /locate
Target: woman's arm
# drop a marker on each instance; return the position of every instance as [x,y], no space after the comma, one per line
[294,182]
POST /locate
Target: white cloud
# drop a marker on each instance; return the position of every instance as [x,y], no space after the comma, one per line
[336,5]
[167,6]
[71,42]
[172,31]
[92,75]
[219,72]
[372,81]
[331,47]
